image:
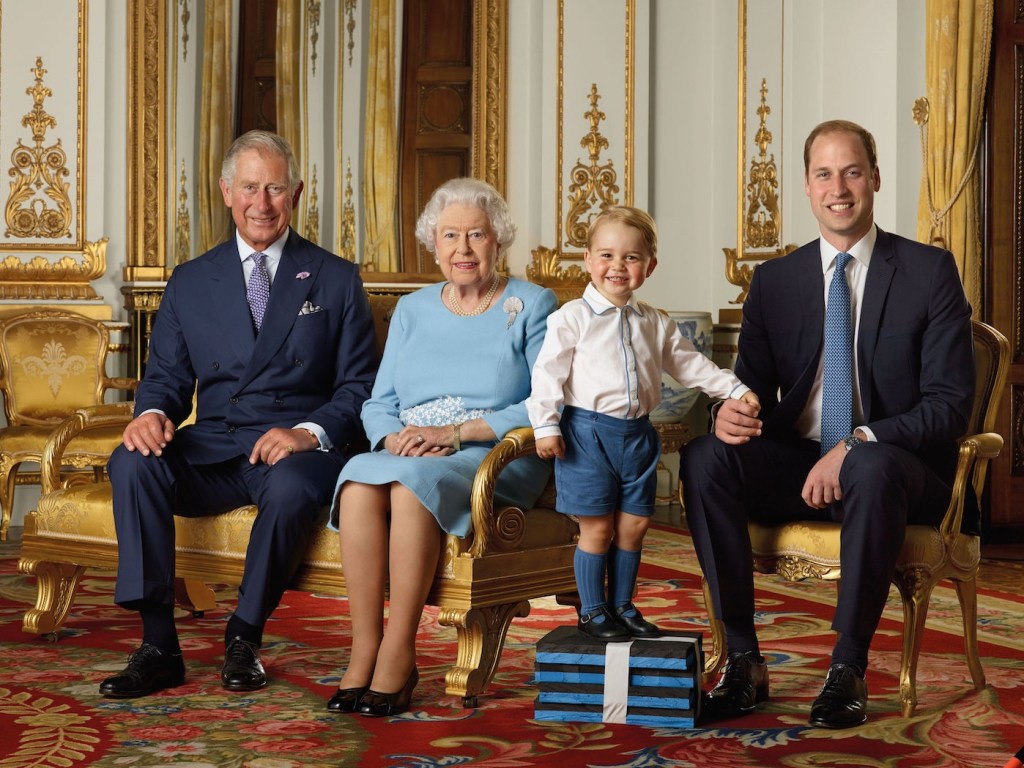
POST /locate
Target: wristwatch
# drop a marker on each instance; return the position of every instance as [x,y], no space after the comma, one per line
[851,441]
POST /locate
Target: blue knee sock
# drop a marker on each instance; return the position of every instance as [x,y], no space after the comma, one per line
[623,566]
[589,569]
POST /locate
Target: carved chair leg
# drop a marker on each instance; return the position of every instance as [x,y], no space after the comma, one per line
[56,585]
[194,595]
[481,633]
[915,590]
[967,592]
[8,474]
[714,657]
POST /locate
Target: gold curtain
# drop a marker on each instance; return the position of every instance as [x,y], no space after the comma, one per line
[288,79]
[957,46]
[215,122]
[380,161]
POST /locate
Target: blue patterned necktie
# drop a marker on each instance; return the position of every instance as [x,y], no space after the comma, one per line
[837,380]
[258,289]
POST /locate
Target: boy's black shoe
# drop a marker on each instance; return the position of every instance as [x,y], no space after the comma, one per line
[607,628]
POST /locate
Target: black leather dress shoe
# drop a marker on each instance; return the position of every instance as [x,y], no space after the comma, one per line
[346,700]
[742,686]
[843,701]
[377,704]
[607,629]
[636,625]
[242,668]
[149,670]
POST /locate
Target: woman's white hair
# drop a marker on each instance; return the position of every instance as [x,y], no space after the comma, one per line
[466,191]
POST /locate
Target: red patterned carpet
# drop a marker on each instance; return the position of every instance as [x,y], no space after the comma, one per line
[52,717]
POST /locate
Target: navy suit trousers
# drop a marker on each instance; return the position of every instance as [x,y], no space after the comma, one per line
[148,491]
[884,489]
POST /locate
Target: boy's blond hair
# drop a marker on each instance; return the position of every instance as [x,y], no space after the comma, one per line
[633,217]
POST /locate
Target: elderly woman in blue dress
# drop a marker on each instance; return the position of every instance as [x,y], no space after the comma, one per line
[454,379]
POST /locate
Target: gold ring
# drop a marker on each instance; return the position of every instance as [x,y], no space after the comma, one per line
[419,438]
[290,449]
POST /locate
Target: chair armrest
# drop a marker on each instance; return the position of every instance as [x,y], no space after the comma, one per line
[122,383]
[972,464]
[486,528]
[82,420]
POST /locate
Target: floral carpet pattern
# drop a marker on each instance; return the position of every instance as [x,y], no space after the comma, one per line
[52,717]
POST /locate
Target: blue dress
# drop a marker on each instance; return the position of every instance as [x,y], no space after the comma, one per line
[439,368]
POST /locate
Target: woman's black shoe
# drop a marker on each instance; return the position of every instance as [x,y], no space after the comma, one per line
[346,700]
[377,704]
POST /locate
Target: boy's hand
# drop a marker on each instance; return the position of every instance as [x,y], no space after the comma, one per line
[551,447]
[751,397]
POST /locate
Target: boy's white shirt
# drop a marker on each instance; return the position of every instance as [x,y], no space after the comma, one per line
[610,359]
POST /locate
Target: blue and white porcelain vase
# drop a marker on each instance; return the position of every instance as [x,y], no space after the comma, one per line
[677,400]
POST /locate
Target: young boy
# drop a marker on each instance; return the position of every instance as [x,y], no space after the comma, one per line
[596,379]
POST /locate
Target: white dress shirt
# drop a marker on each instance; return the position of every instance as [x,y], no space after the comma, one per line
[609,359]
[272,256]
[809,423]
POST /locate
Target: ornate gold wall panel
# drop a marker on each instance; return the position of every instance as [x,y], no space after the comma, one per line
[758,210]
[593,182]
[44,253]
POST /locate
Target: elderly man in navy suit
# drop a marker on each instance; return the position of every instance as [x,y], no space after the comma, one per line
[274,336]
[865,385]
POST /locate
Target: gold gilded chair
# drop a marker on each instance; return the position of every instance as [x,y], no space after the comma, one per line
[51,363]
[802,550]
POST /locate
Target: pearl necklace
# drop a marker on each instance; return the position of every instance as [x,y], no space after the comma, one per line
[456,307]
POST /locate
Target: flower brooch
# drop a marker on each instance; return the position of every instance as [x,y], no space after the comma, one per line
[513,306]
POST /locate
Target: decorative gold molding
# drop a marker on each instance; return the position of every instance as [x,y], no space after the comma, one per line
[183,227]
[758,213]
[46,280]
[350,26]
[36,171]
[592,186]
[546,269]
[146,256]
[185,16]
[490,46]
[313,212]
[627,171]
[348,218]
[313,21]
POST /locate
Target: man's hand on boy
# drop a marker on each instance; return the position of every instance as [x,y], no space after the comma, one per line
[736,420]
[551,447]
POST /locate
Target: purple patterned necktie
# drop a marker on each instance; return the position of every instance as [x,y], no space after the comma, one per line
[258,290]
[837,379]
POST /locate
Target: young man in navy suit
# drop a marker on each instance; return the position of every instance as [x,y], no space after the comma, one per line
[909,372]
[274,335]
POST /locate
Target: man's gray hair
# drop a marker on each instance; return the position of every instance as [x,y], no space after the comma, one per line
[266,143]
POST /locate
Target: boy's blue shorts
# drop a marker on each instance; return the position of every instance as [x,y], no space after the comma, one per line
[610,464]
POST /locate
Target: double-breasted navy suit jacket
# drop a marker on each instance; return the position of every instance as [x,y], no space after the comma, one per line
[314,359]
[915,350]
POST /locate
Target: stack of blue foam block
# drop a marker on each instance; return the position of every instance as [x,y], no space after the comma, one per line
[653,682]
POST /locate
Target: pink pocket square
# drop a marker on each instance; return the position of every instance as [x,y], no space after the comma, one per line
[302,275]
